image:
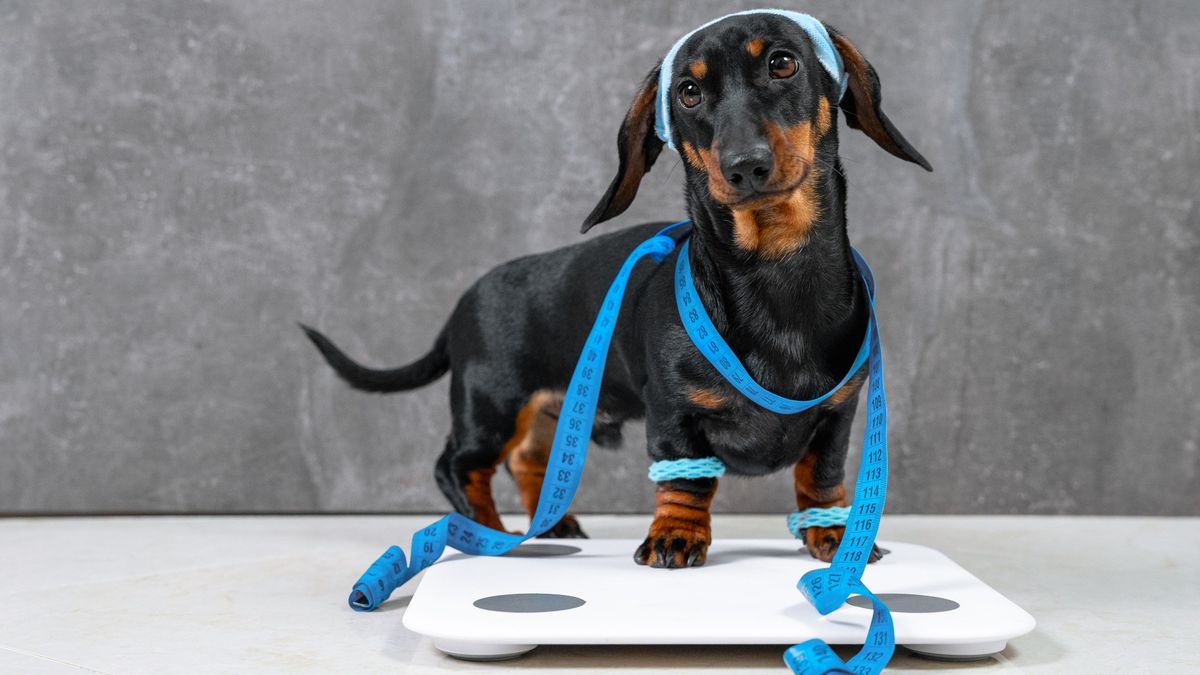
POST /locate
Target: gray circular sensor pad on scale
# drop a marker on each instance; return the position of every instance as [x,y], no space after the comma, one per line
[541,551]
[529,603]
[907,603]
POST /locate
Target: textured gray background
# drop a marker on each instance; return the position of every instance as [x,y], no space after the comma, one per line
[180,182]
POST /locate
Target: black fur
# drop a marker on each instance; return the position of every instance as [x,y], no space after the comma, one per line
[417,374]
[796,322]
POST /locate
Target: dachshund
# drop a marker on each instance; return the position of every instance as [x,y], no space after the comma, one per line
[754,115]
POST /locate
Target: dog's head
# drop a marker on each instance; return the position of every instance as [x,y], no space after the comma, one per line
[751,99]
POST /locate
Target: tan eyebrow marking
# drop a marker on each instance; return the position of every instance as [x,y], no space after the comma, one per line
[698,69]
[823,117]
[754,47]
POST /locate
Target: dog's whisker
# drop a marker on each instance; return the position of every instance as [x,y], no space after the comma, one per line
[832,166]
[672,170]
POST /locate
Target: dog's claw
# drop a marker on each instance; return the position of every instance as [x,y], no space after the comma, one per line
[876,554]
[673,550]
[823,542]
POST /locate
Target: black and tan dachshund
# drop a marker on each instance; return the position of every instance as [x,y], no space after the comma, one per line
[755,117]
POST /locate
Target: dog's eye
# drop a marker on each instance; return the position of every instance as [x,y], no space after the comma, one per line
[782,65]
[689,94]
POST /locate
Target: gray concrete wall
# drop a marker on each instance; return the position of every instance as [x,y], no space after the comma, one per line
[181,181]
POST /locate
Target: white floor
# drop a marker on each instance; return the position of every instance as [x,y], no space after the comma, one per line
[268,594]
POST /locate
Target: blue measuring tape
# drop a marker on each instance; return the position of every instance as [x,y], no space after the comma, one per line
[827,589]
[814,516]
[690,468]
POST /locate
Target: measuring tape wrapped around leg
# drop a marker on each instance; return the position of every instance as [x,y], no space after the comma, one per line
[817,517]
[563,470]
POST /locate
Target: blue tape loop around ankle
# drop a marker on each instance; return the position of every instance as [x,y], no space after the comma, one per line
[564,469]
[817,517]
[670,469]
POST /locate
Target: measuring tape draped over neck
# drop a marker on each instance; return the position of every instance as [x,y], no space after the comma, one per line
[827,589]
[827,54]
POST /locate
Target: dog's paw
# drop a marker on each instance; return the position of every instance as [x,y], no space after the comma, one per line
[567,528]
[673,548]
[822,543]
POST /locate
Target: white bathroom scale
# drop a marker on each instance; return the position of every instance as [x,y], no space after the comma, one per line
[590,592]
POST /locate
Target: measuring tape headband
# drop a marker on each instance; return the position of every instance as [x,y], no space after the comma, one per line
[827,55]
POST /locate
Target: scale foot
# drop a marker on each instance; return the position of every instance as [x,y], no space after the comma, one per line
[480,651]
[974,651]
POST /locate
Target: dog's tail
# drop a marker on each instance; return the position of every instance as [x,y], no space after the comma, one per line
[416,374]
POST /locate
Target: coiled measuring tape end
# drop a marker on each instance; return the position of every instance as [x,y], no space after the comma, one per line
[814,656]
[383,577]
[825,589]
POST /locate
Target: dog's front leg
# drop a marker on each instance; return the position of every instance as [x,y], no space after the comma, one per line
[822,542]
[819,475]
[819,485]
[682,527]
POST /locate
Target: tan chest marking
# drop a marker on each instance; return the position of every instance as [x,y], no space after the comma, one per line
[706,398]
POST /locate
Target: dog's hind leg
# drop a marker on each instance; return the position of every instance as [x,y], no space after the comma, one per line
[527,453]
[468,485]
[481,422]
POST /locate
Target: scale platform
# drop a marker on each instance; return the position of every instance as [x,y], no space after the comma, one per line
[590,592]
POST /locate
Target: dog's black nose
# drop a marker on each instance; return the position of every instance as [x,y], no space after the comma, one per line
[748,170]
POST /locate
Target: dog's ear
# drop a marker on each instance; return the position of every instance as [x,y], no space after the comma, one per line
[861,103]
[637,148]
